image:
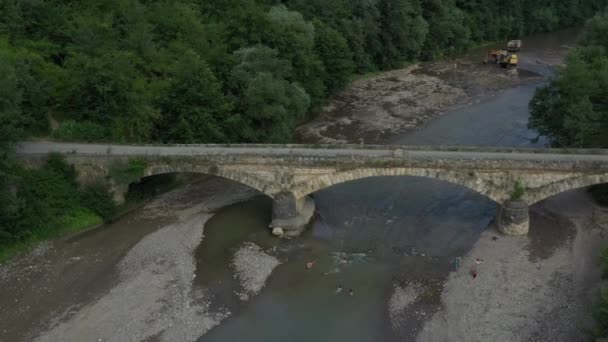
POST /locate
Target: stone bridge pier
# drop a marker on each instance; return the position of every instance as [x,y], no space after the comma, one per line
[291,215]
[513,218]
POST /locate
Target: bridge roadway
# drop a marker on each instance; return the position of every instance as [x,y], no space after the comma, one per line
[289,173]
[375,151]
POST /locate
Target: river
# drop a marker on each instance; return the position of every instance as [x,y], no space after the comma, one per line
[372,236]
[391,231]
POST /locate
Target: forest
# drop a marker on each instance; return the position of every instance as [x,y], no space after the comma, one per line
[213,71]
[220,71]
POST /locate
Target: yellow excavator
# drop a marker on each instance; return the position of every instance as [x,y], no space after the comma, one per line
[502,58]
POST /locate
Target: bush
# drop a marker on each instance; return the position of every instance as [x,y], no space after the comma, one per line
[129,172]
[57,164]
[71,130]
[97,198]
[518,192]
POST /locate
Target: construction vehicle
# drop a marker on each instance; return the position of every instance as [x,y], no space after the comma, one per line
[514,45]
[502,58]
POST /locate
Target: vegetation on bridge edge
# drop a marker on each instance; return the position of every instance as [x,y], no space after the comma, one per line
[125,173]
[518,191]
[48,208]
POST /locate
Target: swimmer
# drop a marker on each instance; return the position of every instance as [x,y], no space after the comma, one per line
[351,292]
[339,289]
[310,264]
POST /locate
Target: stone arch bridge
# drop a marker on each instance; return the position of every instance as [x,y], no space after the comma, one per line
[513,178]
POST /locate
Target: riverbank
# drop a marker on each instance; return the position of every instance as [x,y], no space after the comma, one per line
[143,275]
[534,288]
[379,108]
[80,220]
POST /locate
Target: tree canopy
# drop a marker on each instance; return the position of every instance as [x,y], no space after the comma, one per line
[118,69]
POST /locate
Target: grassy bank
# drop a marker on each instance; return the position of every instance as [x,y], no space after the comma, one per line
[75,221]
[89,213]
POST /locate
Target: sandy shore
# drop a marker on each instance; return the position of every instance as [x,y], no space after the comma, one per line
[534,288]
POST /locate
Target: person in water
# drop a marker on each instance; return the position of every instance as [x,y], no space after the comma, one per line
[339,289]
[351,292]
[310,264]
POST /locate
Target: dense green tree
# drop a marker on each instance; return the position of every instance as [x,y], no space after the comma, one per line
[193,107]
[573,109]
[403,31]
[447,32]
[337,58]
[270,105]
[596,32]
[102,67]
[294,38]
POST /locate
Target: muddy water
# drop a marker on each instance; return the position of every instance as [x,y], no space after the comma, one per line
[373,234]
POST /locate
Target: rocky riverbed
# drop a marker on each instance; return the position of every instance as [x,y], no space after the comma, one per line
[150,287]
[535,288]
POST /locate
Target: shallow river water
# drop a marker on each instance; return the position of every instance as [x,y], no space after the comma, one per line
[369,235]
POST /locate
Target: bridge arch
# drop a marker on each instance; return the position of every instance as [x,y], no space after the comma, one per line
[244,178]
[536,195]
[469,180]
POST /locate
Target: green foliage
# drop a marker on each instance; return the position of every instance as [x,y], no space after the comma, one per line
[128,172]
[142,71]
[83,131]
[98,199]
[270,103]
[518,191]
[403,31]
[595,32]
[193,109]
[44,203]
[337,58]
